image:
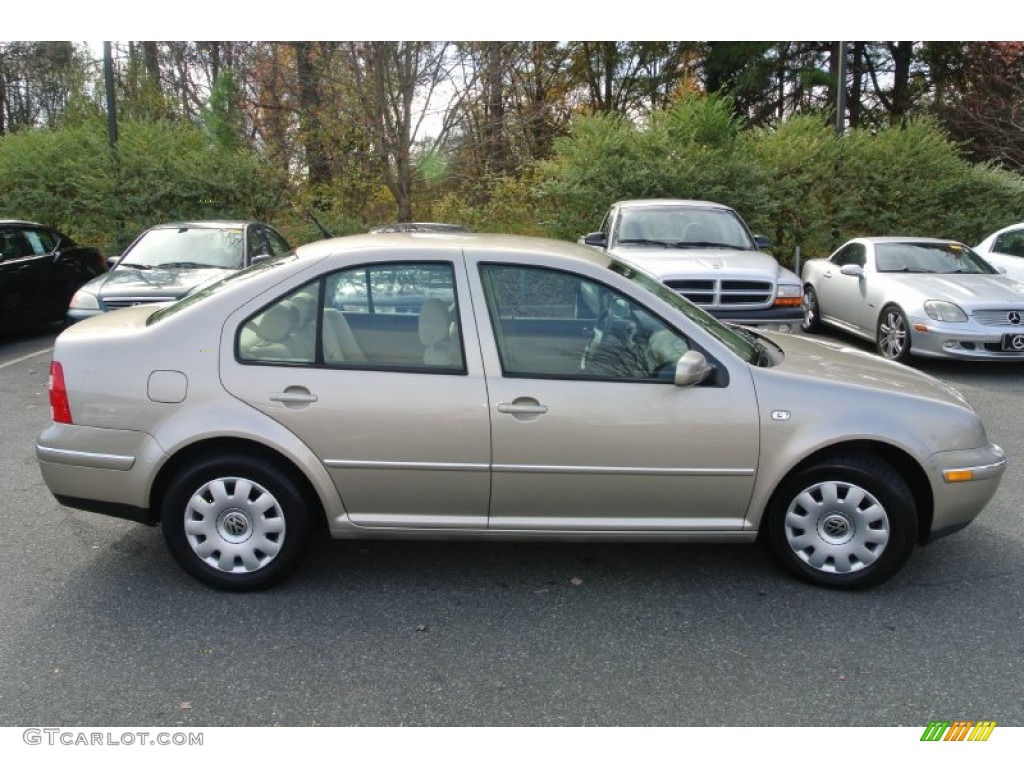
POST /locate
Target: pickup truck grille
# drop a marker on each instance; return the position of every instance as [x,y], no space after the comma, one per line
[738,294]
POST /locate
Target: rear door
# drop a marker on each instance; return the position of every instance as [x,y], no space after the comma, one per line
[377,368]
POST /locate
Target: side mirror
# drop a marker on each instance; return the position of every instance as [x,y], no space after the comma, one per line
[259,257]
[762,242]
[111,261]
[596,238]
[1001,270]
[691,369]
[852,270]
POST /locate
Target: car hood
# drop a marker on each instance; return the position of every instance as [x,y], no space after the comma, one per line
[707,263]
[824,360]
[970,290]
[156,283]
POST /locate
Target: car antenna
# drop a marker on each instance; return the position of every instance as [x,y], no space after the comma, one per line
[321,227]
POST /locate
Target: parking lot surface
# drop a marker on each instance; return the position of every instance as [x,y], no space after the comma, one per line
[101,627]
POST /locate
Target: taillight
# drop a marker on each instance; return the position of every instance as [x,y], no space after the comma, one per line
[60,409]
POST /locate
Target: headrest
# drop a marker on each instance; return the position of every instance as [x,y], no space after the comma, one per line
[434,321]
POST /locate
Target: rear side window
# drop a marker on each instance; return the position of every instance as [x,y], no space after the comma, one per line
[379,317]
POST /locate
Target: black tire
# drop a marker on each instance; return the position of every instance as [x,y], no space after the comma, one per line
[892,337]
[848,522]
[255,532]
[811,322]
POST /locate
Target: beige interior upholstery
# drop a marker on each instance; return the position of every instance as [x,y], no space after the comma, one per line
[340,345]
[435,329]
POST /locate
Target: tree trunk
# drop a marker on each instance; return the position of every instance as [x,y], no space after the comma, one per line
[497,146]
[317,164]
[902,56]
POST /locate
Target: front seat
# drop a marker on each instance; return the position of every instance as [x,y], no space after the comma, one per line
[340,345]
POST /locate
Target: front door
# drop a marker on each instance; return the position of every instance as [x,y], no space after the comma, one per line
[589,430]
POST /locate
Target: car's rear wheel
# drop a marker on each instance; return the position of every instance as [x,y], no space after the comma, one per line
[812,312]
[848,521]
[893,334]
[235,522]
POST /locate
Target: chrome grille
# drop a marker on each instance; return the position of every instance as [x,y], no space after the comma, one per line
[1001,317]
[737,294]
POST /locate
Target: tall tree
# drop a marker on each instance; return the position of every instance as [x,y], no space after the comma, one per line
[394,83]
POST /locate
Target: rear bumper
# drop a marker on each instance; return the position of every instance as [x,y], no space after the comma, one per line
[109,471]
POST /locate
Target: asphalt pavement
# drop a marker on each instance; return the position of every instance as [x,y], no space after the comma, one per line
[101,627]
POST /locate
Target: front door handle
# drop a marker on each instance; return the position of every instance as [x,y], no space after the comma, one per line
[523,408]
[515,408]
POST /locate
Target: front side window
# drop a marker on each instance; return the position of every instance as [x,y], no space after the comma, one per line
[41,240]
[552,324]
[1011,243]
[854,253]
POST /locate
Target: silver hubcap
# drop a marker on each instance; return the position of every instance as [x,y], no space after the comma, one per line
[234,525]
[810,309]
[837,527]
[892,335]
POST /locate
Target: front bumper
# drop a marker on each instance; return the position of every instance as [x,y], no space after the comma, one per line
[771,318]
[963,482]
[965,341]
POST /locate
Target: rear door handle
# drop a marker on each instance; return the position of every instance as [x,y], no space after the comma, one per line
[294,396]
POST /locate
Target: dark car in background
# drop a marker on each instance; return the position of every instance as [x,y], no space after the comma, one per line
[40,269]
[167,261]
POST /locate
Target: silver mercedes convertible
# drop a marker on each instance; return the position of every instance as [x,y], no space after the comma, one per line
[916,296]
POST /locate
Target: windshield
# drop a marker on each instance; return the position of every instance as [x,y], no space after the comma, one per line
[939,258]
[187,247]
[743,345]
[682,226]
[217,286]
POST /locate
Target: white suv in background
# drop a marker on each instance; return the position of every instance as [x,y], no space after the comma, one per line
[705,252]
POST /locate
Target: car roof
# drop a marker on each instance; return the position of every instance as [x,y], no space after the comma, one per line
[496,243]
[23,222]
[417,226]
[898,239]
[669,201]
[207,224]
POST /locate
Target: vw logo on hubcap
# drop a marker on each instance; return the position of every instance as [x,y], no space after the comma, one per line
[235,526]
[835,529]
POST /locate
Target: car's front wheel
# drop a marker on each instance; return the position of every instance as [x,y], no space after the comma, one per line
[893,335]
[848,521]
[235,522]
[812,312]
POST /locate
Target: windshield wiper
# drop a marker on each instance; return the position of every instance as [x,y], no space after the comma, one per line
[134,266]
[762,356]
[192,265]
[706,244]
[641,241]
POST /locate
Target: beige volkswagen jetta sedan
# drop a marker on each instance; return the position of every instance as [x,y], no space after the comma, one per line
[467,386]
